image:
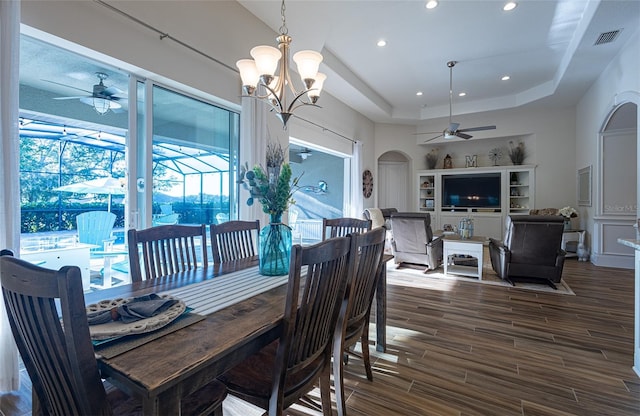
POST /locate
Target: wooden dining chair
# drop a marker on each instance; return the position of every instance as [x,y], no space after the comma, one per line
[340,227]
[353,322]
[166,249]
[58,354]
[287,369]
[234,240]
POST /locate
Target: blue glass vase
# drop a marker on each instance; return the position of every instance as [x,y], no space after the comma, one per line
[275,247]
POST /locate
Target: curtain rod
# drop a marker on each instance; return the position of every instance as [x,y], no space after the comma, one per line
[326,129]
[164,35]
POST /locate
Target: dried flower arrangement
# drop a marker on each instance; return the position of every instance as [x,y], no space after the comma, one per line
[517,154]
[432,159]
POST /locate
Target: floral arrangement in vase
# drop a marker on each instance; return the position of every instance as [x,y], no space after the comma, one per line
[568,213]
[273,187]
[517,153]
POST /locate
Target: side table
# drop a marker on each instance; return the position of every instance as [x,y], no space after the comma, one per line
[575,236]
[473,248]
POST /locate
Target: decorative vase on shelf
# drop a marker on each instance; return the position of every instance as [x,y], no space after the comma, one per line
[275,247]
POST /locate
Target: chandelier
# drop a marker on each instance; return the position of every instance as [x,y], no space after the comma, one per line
[260,81]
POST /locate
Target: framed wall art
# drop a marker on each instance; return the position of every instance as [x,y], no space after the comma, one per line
[584,187]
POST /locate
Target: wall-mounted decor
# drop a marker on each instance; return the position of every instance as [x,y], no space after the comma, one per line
[471,161]
[495,155]
[584,186]
[367,183]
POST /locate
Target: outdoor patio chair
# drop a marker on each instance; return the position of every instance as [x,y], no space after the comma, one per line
[95,228]
[58,353]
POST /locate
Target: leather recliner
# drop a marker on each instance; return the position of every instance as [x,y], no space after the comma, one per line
[413,241]
[531,249]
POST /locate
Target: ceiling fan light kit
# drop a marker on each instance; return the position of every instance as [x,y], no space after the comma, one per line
[259,79]
[452,131]
[102,98]
[101,105]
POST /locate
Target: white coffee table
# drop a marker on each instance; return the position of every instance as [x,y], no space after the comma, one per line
[473,247]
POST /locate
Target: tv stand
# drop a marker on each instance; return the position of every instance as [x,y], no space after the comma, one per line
[517,192]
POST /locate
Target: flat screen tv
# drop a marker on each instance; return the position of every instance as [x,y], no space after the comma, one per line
[471,191]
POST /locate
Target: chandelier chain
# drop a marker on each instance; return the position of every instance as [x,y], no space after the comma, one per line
[283,29]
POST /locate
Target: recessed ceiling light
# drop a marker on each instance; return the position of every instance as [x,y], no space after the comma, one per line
[431,4]
[382,43]
[506,78]
[419,93]
[509,6]
[462,94]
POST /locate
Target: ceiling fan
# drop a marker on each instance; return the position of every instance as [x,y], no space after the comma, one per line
[305,153]
[452,130]
[102,98]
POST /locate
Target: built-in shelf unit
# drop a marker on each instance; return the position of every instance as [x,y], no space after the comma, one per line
[517,197]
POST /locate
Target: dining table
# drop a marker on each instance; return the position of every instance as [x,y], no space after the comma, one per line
[234,312]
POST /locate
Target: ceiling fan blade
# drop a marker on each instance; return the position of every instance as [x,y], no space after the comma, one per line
[114,91]
[433,138]
[68,86]
[71,98]
[463,135]
[453,126]
[426,132]
[479,128]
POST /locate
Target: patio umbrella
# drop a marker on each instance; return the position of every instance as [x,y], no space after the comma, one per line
[107,185]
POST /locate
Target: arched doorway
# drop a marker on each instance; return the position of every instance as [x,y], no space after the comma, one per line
[615,208]
[394,183]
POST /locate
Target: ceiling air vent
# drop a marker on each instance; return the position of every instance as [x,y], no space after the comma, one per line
[607,37]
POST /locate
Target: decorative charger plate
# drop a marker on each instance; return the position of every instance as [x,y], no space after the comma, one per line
[118,328]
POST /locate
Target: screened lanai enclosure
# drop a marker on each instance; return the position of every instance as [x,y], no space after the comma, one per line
[192,182]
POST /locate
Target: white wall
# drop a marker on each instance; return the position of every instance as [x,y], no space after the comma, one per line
[548,134]
[620,81]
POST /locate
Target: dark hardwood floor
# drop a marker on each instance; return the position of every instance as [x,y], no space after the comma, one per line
[462,348]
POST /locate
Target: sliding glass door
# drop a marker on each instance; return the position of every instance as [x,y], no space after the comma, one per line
[193,150]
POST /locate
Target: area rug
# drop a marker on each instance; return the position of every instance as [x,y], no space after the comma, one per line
[413,276]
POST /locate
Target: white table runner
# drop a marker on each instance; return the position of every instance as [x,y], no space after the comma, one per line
[212,295]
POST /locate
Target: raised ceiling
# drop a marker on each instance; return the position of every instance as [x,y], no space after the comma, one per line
[548,48]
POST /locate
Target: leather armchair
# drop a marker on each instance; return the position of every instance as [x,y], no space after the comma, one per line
[531,249]
[413,240]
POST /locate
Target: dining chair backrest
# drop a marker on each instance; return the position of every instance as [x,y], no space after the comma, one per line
[340,227]
[310,316]
[95,227]
[58,356]
[353,323]
[234,240]
[166,249]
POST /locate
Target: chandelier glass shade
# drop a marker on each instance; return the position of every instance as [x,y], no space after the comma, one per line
[267,76]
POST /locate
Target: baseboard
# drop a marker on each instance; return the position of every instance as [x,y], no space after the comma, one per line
[612,260]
